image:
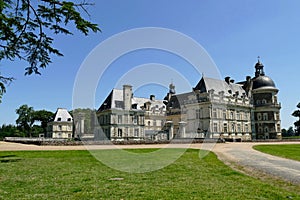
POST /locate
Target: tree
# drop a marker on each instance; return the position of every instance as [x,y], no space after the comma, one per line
[27,27]
[296,113]
[44,117]
[25,119]
[9,131]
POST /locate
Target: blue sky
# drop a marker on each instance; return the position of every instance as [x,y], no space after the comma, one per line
[233,32]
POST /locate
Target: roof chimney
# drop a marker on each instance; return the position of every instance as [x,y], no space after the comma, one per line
[231,81]
[152,97]
[127,96]
[227,79]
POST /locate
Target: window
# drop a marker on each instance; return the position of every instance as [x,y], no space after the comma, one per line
[265,116]
[59,119]
[198,114]
[238,128]
[224,114]
[263,101]
[259,116]
[69,119]
[242,116]
[232,127]
[69,135]
[231,114]
[277,116]
[215,113]
[136,132]
[119,119]
[238,116]
[215,127]
[278,128]
[225,128]
[246,128]
[119,132]
[135,119]
[154,122]
[149,123]
[59,127]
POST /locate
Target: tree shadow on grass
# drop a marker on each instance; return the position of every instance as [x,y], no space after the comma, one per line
[9,159]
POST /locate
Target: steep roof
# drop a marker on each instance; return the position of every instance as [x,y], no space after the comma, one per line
[206,84]
[115,101]
[62,115]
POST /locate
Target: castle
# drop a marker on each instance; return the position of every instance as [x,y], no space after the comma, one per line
[245,110]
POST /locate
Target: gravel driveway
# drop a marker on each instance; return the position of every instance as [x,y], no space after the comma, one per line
[241,153]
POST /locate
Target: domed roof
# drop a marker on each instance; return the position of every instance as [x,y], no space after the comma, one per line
[263,82]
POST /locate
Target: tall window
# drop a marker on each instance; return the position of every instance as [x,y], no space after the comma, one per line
[232,127]
[246,128]
[224,114]
[134,119]
[119,132]
[215,127]
[225,128]
[232,114]
[198,114]
[238,128]
[126,119]
[259,116]
[119,119]
[136,132]
[215,113]
[265,116]
[238,115]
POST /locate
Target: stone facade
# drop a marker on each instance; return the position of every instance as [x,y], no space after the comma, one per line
[246,110]
[125,117]
[62,125]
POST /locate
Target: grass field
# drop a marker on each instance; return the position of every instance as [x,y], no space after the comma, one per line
[291,151]
[78,175]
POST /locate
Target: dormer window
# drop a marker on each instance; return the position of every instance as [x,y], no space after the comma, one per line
[69,119]
[59,119]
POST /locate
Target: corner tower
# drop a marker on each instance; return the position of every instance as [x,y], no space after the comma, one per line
[266,109]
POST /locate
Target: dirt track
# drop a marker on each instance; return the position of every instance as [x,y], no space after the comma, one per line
[241,154]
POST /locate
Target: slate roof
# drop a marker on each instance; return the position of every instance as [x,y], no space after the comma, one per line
[115,101]
[62,115]
[206,84]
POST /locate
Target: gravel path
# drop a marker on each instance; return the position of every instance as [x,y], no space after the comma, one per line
[241,153]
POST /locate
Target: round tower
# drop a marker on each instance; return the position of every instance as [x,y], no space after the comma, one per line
[266,109]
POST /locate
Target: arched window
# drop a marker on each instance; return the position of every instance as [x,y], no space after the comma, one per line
[259,116]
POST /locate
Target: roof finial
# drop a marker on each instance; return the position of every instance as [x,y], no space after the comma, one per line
[258,57]
[202,74]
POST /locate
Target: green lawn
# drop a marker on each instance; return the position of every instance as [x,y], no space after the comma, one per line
[291,151]
[78,175]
